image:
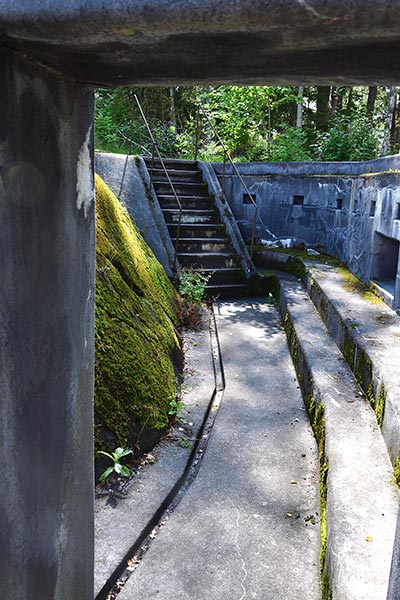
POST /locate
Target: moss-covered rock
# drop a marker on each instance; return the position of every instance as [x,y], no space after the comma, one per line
[138,355]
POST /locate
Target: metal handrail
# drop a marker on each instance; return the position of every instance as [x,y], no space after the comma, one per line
[155,148]
[227,155]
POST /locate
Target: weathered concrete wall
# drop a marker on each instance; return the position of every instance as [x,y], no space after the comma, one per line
[352,210]
[47,249]
[128,178]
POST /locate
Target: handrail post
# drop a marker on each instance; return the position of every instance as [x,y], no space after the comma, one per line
[235,170]
[223,177]
[157,150]
[253,234]
[196,144]
[152,162]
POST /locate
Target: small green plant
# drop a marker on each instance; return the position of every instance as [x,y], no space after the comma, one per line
[116,466]
[185,444]
[175,407]
[192,285]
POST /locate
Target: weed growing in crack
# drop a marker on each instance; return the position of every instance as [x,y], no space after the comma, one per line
[116,467]
[191,287]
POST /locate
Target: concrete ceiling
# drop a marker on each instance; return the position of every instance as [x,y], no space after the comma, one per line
[122,42]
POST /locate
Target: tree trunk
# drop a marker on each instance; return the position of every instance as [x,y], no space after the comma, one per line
[350,103]
[299,117]
[339,99]
[322,116]
[333,101]
[172,107]
[385,148]
[372,90]
[394,122]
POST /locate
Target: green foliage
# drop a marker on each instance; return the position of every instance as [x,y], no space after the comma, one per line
[257,123]
[116,467]
[289,145]
[137,350]
[192,285]
[348,139]
[176,407]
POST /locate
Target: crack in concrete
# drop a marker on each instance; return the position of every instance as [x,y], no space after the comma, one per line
[239,553]
[312,10]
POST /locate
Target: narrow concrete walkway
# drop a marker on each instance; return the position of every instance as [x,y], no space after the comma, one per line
[248,525]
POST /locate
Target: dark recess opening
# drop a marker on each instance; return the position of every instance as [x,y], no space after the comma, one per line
[398,213]
[372,208]
[247,198]
[386,258]
[339,203]
[298,200]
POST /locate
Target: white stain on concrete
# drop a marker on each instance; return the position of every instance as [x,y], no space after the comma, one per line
[84,176]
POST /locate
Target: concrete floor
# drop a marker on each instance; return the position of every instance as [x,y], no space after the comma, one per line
[248,525]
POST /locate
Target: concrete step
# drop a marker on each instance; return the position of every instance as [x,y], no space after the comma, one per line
[189,216]
[367,332]
[200,245]
[178,175]
[207,260]
[227,290]
[359,501]
[224,276]
[187,202]
[198,230]
[182,189]
[173,164]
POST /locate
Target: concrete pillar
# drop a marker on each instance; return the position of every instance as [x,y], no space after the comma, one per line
[47,254]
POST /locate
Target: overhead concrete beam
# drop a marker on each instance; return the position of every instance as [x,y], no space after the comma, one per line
[119,42]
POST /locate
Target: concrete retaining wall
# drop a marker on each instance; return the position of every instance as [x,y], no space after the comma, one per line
[351,209]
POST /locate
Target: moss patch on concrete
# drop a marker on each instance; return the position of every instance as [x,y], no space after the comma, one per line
[316,413]
[353,284]
[349,350]
[396,471]
[138,356]
[380,405]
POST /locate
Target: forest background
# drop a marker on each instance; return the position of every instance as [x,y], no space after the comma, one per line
[257,123]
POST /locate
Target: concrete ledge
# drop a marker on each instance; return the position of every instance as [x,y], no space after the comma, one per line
[361,500]
[368,335]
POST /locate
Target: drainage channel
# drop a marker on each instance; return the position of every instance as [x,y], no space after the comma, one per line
[127,566]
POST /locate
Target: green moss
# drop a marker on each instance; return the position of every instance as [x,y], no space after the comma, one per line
[380,405]
[353,284]
[348,351]
[302,254]
[318,425]
[371,395]
[363,369]
[136,344]
[396,470]
[288,327]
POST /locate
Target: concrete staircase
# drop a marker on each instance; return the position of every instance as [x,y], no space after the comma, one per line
[204,244]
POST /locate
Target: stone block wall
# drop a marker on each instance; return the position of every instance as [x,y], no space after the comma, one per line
[349,209]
